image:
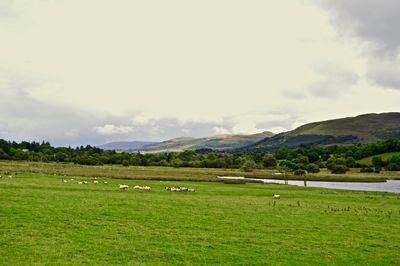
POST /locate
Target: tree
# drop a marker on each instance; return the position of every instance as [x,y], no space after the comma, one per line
[377,161]
[312,168]
[248,165]
[300,172]
[351,162]
[269,160]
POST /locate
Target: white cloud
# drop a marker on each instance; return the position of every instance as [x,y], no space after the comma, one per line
[112,129]
[218,130]
[153,70]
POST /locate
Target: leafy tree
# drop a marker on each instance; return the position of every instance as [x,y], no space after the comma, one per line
[248,165]
[300,172]
[377,161]
[312,168]
[268,160]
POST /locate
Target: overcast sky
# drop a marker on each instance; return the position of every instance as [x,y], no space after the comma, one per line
[91,71]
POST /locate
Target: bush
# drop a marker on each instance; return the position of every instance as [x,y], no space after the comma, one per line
[269,160]
[312,168]
[338,169]
[366,170]
[300,172]
[248,166]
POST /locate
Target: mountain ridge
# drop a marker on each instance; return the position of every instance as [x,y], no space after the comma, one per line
[362,129]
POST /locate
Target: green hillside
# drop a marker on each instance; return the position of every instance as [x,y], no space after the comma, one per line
[217,142]
[366,128]
[384,156]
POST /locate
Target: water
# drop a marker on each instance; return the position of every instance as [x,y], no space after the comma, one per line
[388,186]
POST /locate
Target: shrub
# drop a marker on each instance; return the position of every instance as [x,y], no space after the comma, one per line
[248,165]
[338,168]
[300,172]
[366,170]
[312,168]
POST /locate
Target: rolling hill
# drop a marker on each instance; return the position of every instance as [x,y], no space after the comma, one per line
[366,128]
[218,142]
[125,145]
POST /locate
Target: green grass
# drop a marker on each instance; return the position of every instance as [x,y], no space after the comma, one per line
[179,174]
[44,221]
[384,156]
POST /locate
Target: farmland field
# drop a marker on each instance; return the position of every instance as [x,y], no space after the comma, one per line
[45,221]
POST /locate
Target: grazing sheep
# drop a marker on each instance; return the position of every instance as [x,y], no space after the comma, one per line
[95,182]
[80,183]
[123,186]
[85,182]
[105,182]
[65,181]
[72,179]
[276,196]
[142,188]
[179,189]
[10,176]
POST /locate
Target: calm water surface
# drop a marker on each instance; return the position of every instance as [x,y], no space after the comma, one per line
[388,186]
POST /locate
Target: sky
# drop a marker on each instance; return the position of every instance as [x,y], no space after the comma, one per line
[77,72]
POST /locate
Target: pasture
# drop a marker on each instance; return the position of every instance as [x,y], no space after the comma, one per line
[383,156]
[179,174]
[45,221]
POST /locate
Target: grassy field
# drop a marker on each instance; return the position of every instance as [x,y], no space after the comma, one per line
[44,221]
[179,174]
[384,156]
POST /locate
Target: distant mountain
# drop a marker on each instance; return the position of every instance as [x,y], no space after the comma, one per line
[366,128]
[218,142]
[125,145]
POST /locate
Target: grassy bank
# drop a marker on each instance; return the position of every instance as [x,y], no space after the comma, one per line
[44,221]
[178,174]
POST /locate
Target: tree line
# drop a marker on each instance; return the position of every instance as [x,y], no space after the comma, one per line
[300,160]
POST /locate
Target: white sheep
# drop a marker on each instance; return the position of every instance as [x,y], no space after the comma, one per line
[191,190]
[123,186]
[105,182]
[80,183]
[95,182]
[276,196]
[85,182]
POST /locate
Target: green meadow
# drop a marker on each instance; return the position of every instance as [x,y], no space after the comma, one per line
[384,156]
[179,174]
[46,221]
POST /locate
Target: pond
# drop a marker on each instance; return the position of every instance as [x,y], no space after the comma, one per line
[388,186]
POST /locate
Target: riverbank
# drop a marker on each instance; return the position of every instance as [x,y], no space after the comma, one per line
[181,174]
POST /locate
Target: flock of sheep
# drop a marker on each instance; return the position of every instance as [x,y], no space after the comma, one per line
[125,186]
[172,189]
